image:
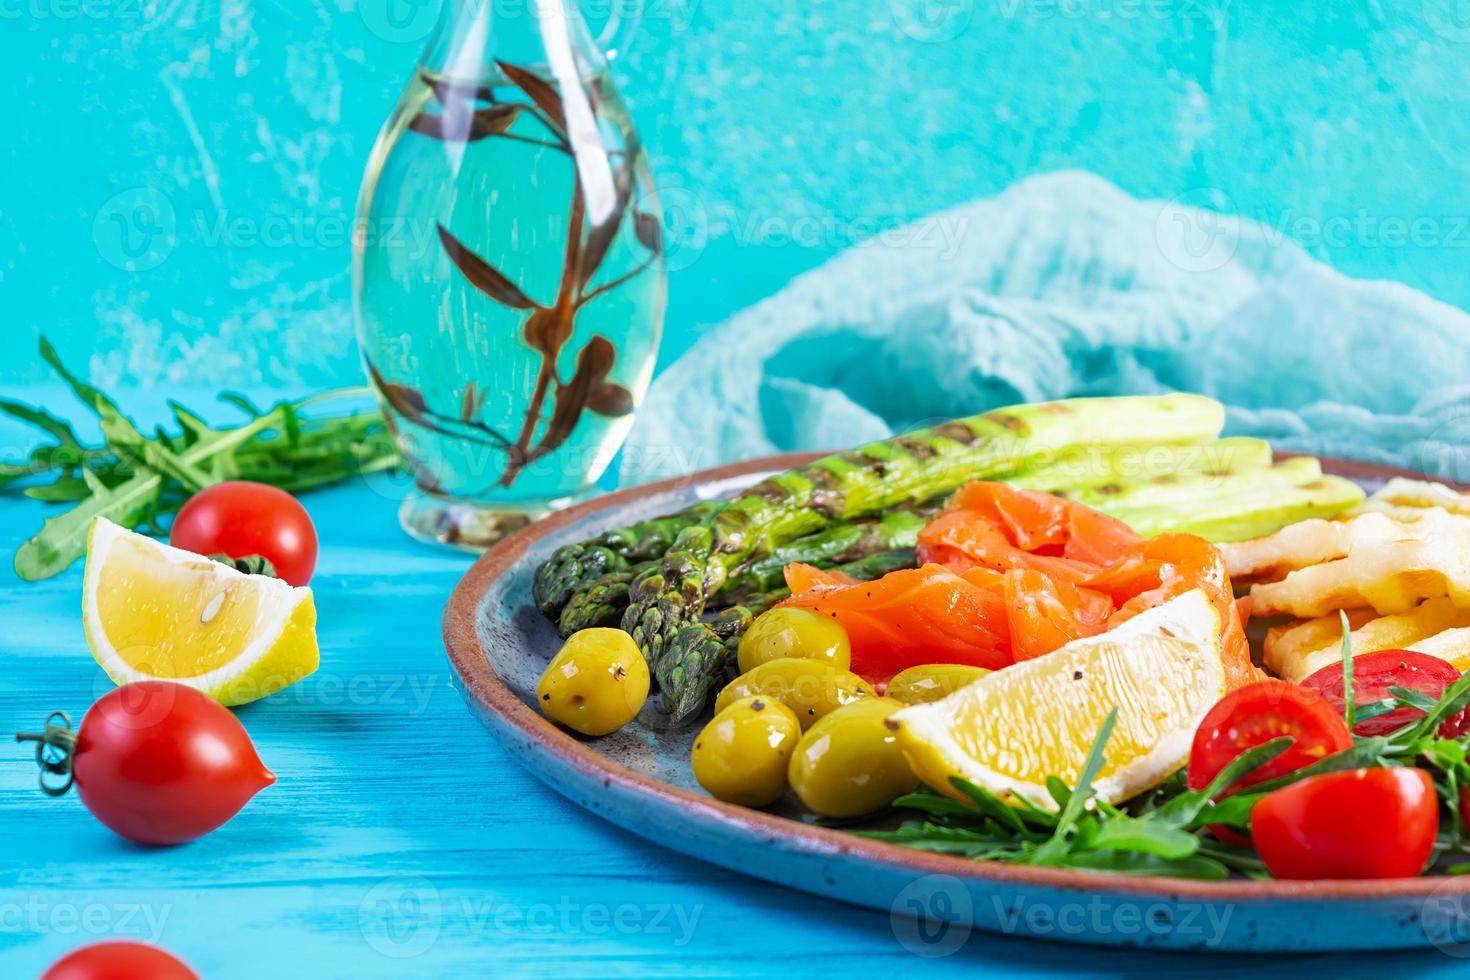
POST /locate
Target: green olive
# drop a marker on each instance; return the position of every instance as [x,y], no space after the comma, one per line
[810,688]
[849,763]
[596,684]
[799,633]
[930,682]
[741,756]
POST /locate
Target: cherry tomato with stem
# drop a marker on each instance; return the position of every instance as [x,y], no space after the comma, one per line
[240,519]
[1360,823]
[1254,715]
[156,762]
[1375,673]
[119,960]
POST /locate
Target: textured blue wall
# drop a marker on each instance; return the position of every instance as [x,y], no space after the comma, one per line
[214,147]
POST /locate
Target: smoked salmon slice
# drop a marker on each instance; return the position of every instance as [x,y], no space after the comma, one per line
[1007,575]
[916,616]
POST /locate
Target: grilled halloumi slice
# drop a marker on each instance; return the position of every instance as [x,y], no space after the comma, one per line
[1305,543]
[1287,647]
[1400,497]
[1390,577]
[1451,646]
[1310,543]
[1297,651]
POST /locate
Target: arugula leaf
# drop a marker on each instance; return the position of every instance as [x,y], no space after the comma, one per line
[1059,791]
[140,480]
[58,429]
[1373,709]
[1144,836]
[1096,759]
[1245,764]
[928,801]
[116,427]
[1408,698]
[191,427]
[64,490]
[1234,810]
[1451,702]
[62,540]
[1055,849]
[1163,832]
[1121,862]
[1349,694]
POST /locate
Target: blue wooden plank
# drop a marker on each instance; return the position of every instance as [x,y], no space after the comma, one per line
[401,840]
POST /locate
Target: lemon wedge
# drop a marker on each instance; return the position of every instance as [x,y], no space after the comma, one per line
[1009,730]
[153,612]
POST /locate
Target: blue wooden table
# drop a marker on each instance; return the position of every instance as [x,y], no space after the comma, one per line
[400,838]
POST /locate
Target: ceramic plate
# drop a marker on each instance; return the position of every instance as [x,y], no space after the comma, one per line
[640,780]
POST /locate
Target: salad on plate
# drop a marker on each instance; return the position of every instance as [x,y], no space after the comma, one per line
[1088,634]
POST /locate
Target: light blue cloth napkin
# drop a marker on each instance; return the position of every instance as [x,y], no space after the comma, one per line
[1062,286]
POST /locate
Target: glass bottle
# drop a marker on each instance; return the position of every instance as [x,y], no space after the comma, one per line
[508,278]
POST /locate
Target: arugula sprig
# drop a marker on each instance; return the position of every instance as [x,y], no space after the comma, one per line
[140,480]
[1161,834]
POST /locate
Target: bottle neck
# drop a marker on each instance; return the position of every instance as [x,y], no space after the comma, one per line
[546,34]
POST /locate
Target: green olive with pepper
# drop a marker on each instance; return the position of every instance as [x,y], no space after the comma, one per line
[810,688]
[930,682]
[596,683]
[742,754]
[799,633]
[849,763]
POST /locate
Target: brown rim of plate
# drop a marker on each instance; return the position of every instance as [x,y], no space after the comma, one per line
[462,641]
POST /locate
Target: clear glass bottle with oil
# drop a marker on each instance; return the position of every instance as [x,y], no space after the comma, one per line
[508,277]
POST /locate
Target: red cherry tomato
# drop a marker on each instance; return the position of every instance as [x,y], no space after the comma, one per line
[119,961]
[1254,715]
[1375,673]
[1361,823]
[157,762]
[240,519]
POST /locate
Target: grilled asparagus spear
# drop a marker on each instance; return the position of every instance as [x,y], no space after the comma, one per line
[1233,507]
[695,664]
[601,603]
[1099,467]
[669,597]
[574,566]
[839,544]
